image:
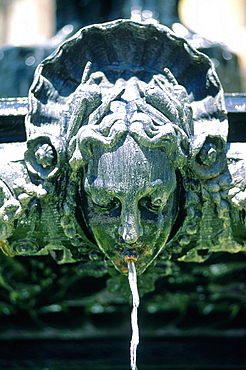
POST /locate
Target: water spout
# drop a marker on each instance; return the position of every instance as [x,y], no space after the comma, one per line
[132,278]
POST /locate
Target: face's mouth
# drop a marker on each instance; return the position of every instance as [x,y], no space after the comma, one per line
[127,253]
[132,252]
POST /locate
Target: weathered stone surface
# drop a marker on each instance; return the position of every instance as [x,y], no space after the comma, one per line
[126,154]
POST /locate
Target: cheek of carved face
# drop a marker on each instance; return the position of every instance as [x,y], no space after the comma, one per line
[130,203]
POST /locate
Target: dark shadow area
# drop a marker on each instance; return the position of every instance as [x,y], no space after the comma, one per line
[104,353]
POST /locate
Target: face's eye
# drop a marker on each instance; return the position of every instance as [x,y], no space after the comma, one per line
[153,205]
[106,206]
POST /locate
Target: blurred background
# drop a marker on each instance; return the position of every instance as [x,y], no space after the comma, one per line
[31,29]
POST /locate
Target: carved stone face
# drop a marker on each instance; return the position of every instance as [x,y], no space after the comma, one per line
[131,203]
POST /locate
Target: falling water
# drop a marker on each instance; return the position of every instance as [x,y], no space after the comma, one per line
[132,277]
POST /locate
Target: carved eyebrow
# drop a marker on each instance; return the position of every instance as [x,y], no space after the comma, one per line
[98,193]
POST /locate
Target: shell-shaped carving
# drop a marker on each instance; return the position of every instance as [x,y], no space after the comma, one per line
[123,49]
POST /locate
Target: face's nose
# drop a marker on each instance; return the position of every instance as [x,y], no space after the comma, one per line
[130,228]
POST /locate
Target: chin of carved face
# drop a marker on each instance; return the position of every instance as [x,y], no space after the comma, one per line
[130,204]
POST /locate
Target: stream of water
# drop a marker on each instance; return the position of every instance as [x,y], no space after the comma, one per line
[132,277]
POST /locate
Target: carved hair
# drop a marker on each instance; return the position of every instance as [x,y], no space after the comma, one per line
[168,127]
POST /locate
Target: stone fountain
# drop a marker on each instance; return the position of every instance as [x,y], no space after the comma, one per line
[125,158]
[125,152]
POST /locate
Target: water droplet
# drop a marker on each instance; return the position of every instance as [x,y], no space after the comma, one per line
[30,61]
[215,61]
[227,55]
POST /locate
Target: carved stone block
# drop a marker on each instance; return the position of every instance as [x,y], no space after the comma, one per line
[125,154]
